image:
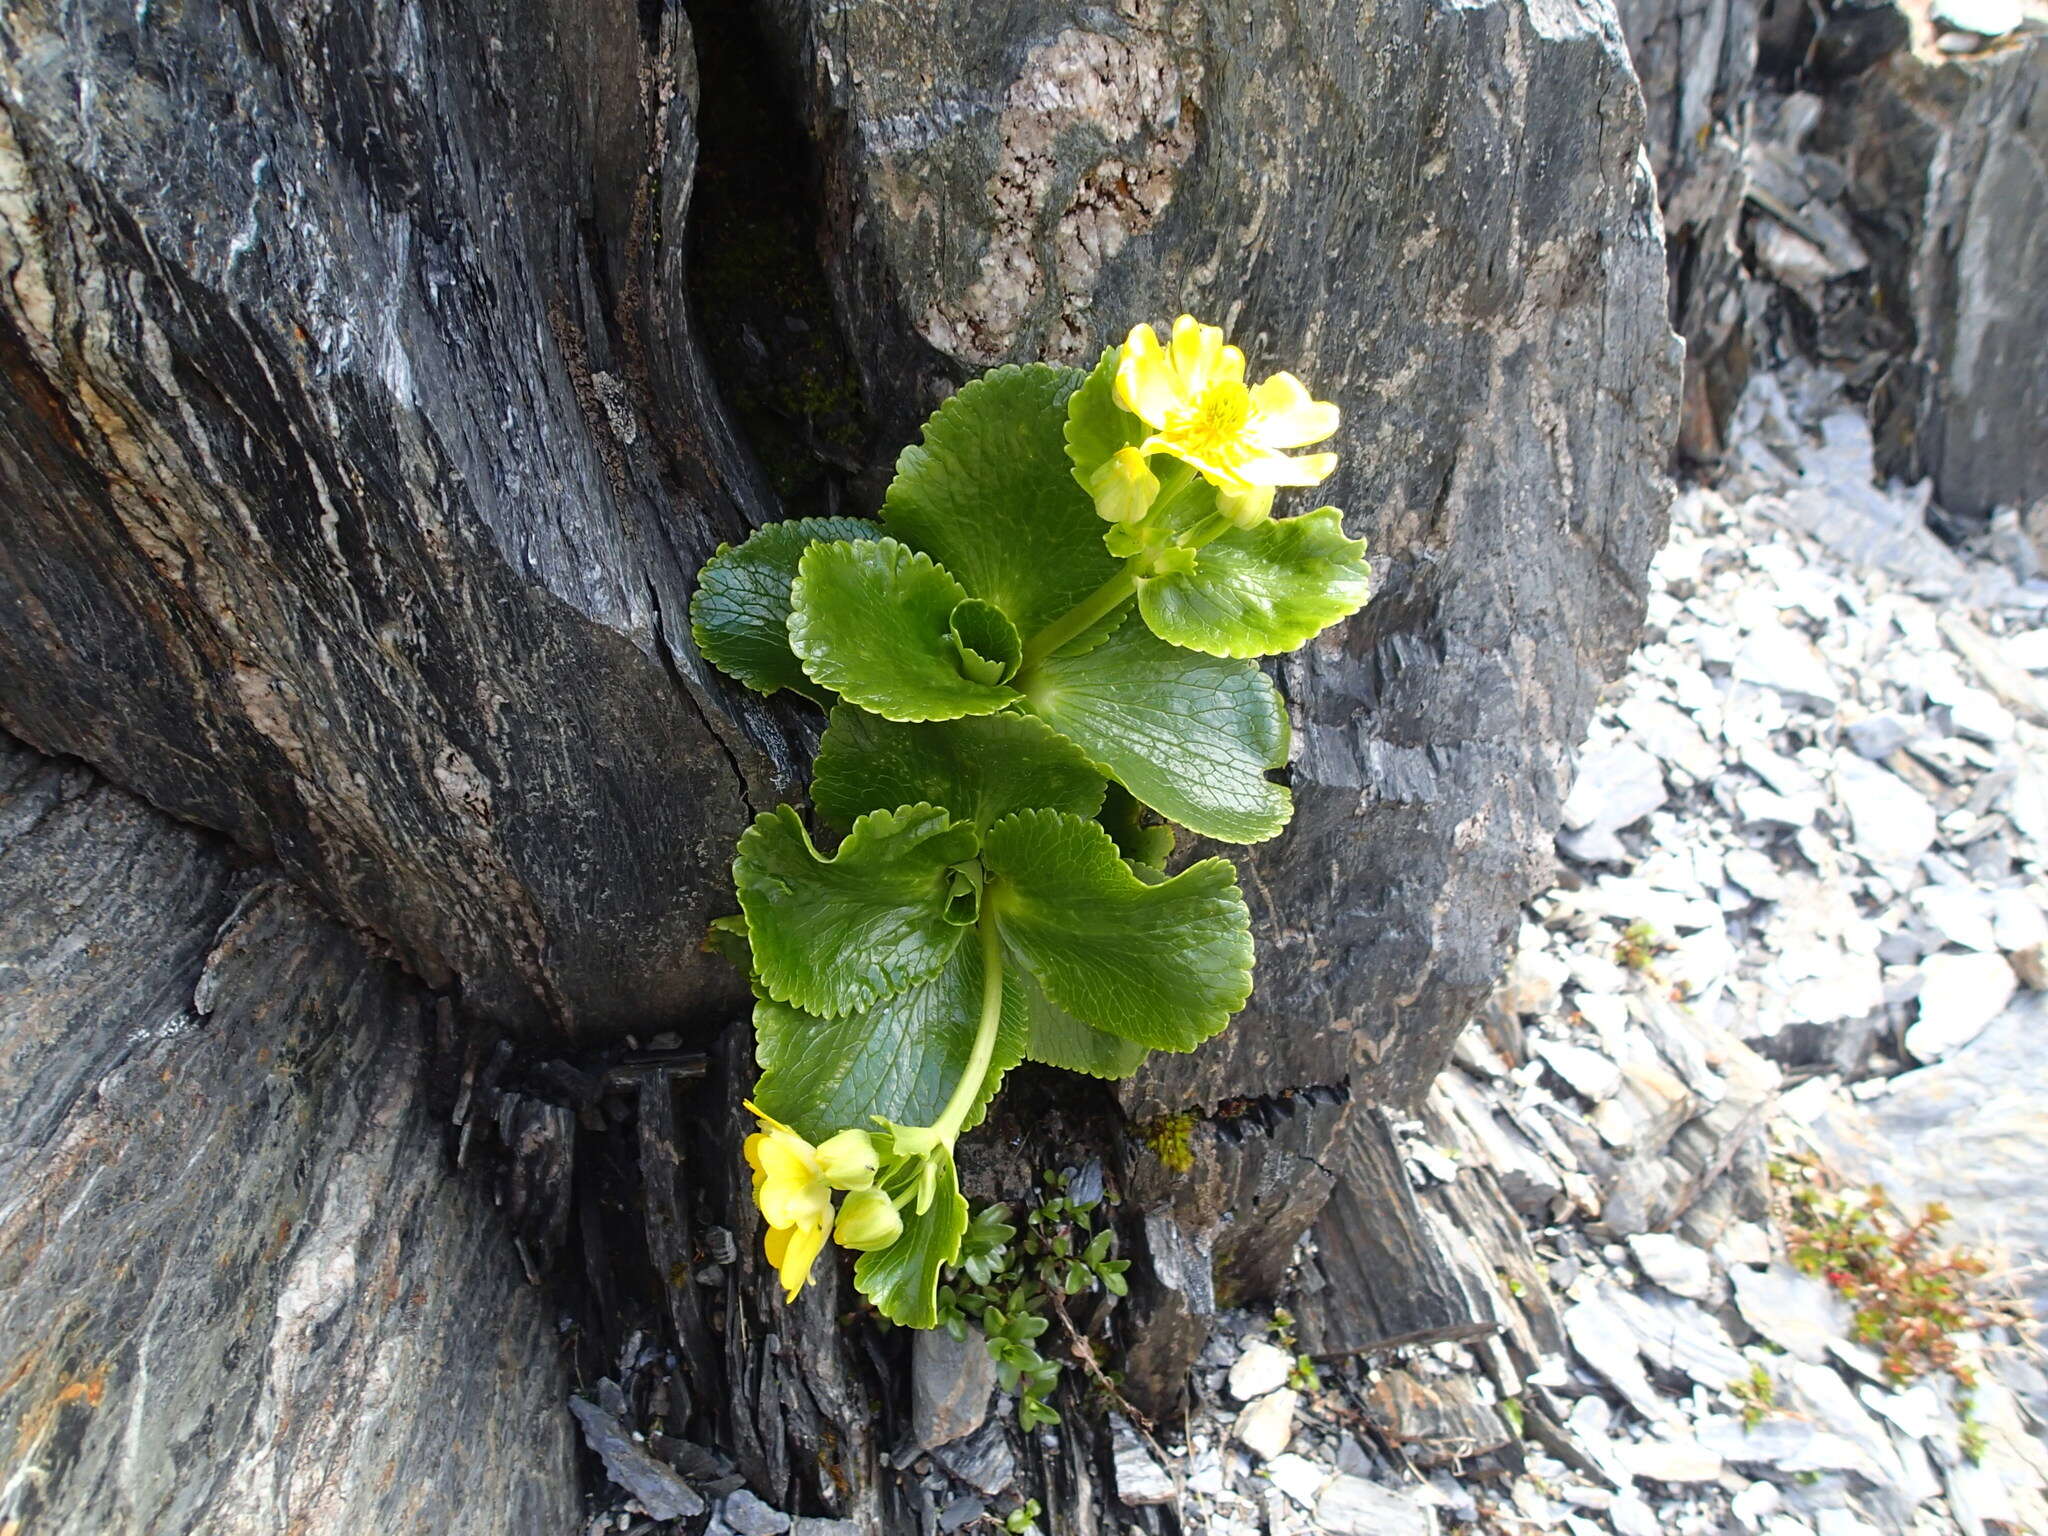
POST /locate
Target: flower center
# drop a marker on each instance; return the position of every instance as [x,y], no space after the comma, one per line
[1215,419]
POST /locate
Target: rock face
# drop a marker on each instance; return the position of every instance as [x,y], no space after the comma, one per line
[1946,161]
[240,1293]
[357,466]
[1697,59]
[1026,184]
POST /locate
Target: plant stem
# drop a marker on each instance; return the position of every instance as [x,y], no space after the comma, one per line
[1105,599]
[955,1113]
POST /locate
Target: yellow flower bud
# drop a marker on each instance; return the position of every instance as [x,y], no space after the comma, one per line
[1123,487]
[1247,507]
[867,1220]
[848,1160]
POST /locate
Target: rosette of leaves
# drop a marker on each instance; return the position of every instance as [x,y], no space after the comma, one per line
[1022,698]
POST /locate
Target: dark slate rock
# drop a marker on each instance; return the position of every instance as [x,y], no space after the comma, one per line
[660,1491]
[357,456]
[1945,160]
[240,1293]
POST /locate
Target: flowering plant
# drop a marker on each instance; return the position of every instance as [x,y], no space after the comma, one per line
[1041,655]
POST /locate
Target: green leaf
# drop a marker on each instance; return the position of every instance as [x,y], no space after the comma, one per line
[831,935]
[980,769]
[1263,590]
[987,643]
[1161,965]
[900,1059]
[1147,844]
[902,1280]
[1190,735]
[988,494]
[1097,427]
[1058,1039]
[875,623]
[739,616]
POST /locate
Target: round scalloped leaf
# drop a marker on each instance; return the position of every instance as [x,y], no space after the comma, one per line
[1261,591]
[988,494]
[981,769]
[831,935]
[1058,1039]
[900,1059]
[739,616]
[902,1280]
[874,623]
[1097,427]
[1162,965]
[1190,735]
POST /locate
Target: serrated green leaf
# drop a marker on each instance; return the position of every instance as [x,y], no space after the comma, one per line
[900,1059]
[1097,427]
[902,1280]
[874,623]
[981,769]
[1190,735]
[989,495]
[1162,965]
[739,616]
[1058,1039]
[831,935]
[1263,590]
[1144,843]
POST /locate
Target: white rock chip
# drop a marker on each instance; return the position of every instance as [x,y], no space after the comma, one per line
[1266,1425]
[1892,820]
[1959,996]
[1260,1368]
[1674,1264]
[1297,1477]
[1352,1506]
[1670,1461]
[1796,1312]
[1139,1477]
[1589,1074]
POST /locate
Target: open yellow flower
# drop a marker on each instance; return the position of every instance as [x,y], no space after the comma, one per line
[793,1187]
[1193,397]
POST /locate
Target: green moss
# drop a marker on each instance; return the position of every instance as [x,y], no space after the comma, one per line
[1170,1139]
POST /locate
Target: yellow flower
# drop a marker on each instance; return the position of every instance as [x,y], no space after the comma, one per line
[1194,399]
[794,1192]
[869,1220]
[1123,487]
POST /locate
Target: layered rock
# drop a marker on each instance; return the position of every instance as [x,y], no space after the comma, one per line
[357,458]
[241,1294]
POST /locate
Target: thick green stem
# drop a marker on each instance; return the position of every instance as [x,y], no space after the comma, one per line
[955,1113]
[1104,600]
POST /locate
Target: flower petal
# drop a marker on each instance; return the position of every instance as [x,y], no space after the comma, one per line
[1281,469]
[1284,416]
[1145,382]
[800,1249]
[1197,349]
